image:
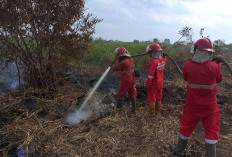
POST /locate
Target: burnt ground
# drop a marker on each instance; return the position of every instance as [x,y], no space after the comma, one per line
[38,122]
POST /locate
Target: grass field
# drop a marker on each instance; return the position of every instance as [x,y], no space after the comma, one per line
[102,53]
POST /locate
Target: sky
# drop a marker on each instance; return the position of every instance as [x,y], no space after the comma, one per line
[128,20]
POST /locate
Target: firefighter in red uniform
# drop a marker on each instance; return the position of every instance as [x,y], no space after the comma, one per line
[126,67]
[155,77]
[202,77]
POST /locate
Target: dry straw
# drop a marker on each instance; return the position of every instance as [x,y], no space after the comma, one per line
[112,134]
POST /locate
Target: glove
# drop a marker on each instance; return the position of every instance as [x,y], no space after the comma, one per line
[217,59]
[148,82]
[165,54]
[112,64]
[115,59]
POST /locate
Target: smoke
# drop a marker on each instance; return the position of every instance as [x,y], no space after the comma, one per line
[76,117]
[9,77]
[98,104]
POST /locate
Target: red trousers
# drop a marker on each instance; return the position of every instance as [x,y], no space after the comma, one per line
[210,120]
[154,93]
[126,88]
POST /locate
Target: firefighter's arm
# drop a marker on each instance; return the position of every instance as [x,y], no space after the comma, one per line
[151,71]
[165,54]
[148,82]
[117,67]
[115,59]
[218,59]
[219,74]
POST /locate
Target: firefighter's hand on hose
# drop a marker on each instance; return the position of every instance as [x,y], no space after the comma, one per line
[165,54]
[217,59]
[112,64]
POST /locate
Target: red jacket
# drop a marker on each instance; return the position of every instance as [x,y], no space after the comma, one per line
[126,67]
[156,72]
[201,84]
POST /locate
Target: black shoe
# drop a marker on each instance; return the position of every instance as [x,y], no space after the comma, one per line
[119,103]
[179,148]
[210,150]
[133,105]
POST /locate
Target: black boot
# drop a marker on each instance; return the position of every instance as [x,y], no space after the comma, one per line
[179,148]
[210,150]
[119,103]
[133,105]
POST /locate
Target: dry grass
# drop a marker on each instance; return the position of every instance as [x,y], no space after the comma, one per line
[113,134]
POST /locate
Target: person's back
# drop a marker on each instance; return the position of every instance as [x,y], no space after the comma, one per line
[126,67]
[202,77]
[202,82]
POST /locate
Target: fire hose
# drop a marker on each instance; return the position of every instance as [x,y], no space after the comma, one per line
[180,71]
[227,65]
[174,62]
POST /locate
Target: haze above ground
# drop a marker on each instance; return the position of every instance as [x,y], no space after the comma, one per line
[128,20]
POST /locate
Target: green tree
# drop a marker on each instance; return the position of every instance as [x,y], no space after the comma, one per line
[218,45]
[155,40]
[136,41]
[166,41]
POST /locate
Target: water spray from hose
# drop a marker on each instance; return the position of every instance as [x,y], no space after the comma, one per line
[94,88]
[81,114]
[97,85]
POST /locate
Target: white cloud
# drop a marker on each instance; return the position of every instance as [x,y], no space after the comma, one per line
[170,3]
[210,13]
[139,15]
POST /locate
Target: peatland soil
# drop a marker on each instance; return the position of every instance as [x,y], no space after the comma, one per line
[34,118]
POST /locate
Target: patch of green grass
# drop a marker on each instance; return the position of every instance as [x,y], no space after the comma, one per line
[102,52]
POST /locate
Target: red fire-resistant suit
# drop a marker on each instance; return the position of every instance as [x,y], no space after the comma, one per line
[201,103]
[155,79]
[127,85]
